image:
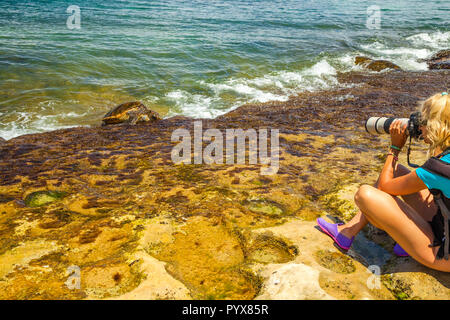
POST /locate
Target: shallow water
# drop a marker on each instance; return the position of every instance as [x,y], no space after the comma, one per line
[372,253]
[197,58]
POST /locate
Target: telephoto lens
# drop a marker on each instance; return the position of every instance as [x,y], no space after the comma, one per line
[380,125]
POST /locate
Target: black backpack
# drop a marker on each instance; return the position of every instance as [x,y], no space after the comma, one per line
[441,221]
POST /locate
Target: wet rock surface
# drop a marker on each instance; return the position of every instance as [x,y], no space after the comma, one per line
[110,201]
[439,60]
[375,65]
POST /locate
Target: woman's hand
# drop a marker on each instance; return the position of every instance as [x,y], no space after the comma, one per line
[398,133]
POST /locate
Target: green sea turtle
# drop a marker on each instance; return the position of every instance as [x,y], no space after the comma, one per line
[131,113]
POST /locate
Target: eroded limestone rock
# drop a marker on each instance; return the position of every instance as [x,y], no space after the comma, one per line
[293,281]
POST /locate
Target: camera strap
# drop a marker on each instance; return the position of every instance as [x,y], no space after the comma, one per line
[412,165]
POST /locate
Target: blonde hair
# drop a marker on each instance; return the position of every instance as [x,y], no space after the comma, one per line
[436,111]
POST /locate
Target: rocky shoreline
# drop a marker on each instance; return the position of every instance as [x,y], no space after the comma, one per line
[110,201]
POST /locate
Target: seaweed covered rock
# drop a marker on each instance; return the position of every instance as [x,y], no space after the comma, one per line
[41,198]
[2,140]
[375,65]
[131,113]
[439,60]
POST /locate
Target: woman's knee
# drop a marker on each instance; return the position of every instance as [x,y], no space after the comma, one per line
[364,195]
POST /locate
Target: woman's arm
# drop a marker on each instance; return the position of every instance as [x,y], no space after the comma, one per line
[402,185]
[407,184]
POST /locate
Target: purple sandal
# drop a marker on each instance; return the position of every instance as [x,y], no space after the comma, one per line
[331,229]
[399,251]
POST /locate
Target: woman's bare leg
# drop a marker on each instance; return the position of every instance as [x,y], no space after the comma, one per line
[402,223]
[421,201]
[354,226]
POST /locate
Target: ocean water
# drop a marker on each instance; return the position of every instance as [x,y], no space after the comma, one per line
[196,58]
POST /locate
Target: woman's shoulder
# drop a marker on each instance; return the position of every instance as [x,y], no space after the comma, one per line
[434,167]
[434,176]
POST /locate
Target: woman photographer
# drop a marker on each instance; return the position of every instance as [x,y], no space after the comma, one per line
[412,222]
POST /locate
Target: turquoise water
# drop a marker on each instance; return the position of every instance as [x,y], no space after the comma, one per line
[197,58]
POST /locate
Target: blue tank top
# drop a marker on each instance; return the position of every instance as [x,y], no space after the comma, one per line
[434,181]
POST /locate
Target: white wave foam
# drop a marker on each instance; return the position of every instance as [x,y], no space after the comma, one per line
[26,123]
[437,40]
[347,61]
[402,51]
[406,58]
[321,68]
[192,105]
[419,46]
[248,89]
[277,86]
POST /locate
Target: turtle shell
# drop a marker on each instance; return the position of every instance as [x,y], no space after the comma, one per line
[130,112]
